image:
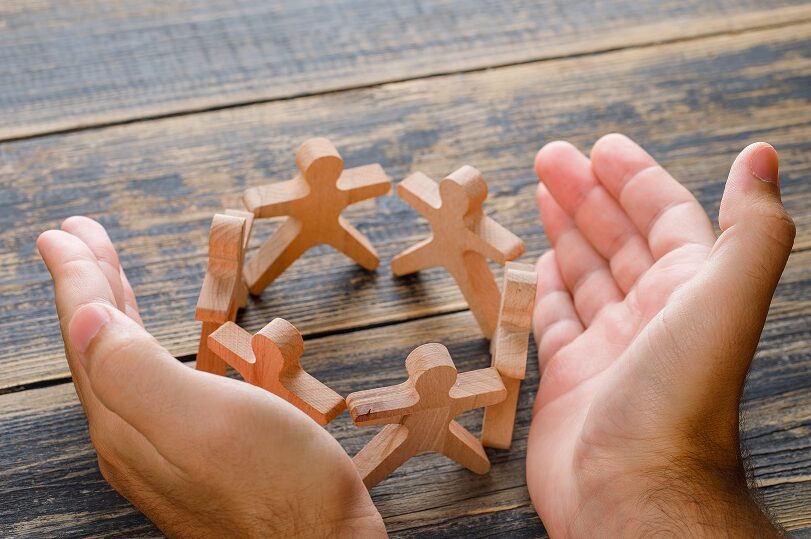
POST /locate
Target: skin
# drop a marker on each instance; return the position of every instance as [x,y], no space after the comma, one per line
[200,455]
[646,325]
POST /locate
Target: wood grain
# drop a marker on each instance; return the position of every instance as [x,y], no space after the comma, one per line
[56,480]
[155,185]
[67,64]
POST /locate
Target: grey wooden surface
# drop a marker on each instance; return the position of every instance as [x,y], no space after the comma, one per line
[150,116]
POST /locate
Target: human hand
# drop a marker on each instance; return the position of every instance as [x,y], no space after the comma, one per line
[646,324]
[200,455]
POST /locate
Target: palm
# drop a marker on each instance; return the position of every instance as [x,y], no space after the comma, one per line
[271,460]
[625,236]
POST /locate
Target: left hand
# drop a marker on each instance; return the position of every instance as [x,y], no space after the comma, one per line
[199,454]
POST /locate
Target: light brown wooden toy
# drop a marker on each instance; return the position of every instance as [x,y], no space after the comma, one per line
[462,239]
[271,360]
[313,200]
[509,350]
[224,289]
[419,413]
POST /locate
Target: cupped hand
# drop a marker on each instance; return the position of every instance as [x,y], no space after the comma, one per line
[200,455]
[646,324]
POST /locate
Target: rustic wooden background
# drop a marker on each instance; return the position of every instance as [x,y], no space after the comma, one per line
[151,115]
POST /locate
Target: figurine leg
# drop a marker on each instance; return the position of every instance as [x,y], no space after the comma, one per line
[464,448]
[206,359]
[275,255]
[355,245]
[417,257]
[481,292]
[386,452]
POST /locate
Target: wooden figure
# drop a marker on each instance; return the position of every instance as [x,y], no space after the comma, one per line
[313,202]
[419,414]
[462,239]
[271,360]
[509,350]
[224,289]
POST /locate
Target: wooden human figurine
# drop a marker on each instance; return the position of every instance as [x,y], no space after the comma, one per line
[463,238]
[313,202]
[509,350]
[419,414]
[224,289]
[271,360]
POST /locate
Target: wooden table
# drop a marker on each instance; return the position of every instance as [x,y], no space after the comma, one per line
[152,115]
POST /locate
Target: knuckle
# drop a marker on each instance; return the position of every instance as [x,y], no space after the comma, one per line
[77,267]
[777,223]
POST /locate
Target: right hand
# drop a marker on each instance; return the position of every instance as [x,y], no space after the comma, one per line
[646,325]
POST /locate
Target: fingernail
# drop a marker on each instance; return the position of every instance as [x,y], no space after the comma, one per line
[85,325]
[764,165]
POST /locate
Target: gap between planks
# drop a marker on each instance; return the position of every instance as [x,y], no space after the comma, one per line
[308,337]
[788,19]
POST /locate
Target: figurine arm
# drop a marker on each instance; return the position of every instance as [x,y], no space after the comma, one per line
[495,242]
[510,343]
[233,344]
[474,389]
[248,216]
[382,406]
[312,397]
[361,183]
[218,295]
[421,193]
[510,350]
[217,301]
[276,198]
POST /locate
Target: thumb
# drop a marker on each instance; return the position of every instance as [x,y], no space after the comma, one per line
[757,231]
[135,377]
[745,264]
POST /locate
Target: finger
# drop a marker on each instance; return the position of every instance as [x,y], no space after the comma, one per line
[662,209]
[584,271]
[96,238]
[77,280]
[735,289]
[568,175]
[555,320]
[77,277]
[131,303]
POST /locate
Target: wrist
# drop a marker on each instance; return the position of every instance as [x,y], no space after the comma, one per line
[673,500]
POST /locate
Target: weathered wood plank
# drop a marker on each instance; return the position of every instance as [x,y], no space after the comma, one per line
[51,483]
[156,184]
[66,64]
